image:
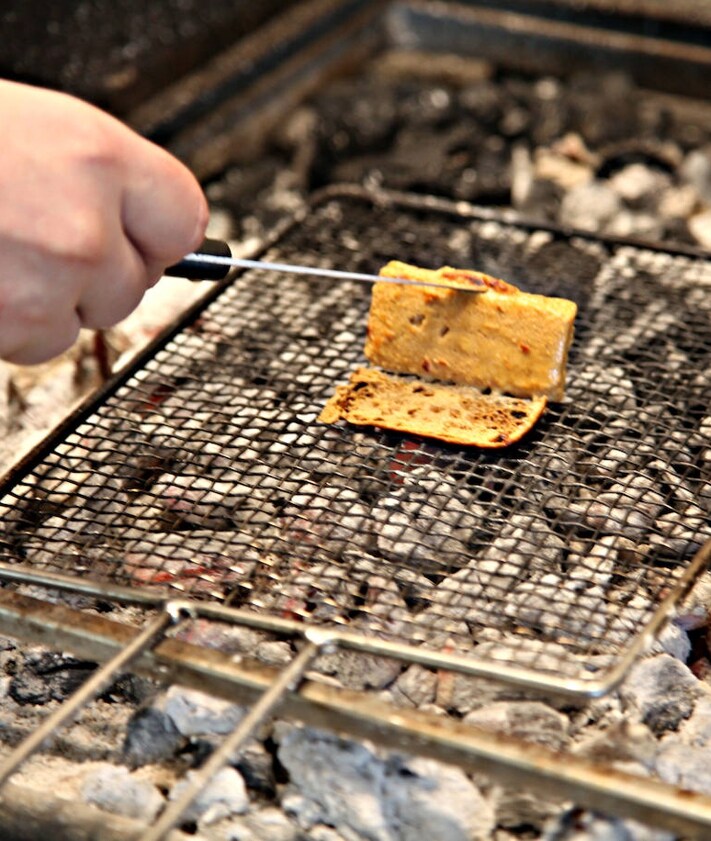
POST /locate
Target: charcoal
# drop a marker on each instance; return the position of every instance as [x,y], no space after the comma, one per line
[639,186]
[673,640]
[516,808]
[151,737]
[274,653]
[358,671]
[685,766]
[663,692]
[589,206]
[579,609]
[635,225]
[696,171]
[328,515]
[194,713]
[45,676]
[631,506]
[415,687]
[696,729]
[682,532]
[351,787]
[447,527]
[114,789]
[531,721]
[224,795]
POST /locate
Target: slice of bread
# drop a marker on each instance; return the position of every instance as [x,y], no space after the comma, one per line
[503,339]
[456,414]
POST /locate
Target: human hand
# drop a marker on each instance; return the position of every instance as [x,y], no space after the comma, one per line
[90,215]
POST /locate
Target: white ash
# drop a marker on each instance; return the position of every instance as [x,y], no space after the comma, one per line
[662,691]
[673,640]
[225,794]
[589,206]
[355,670]
[114,789]
[195,713]
[639,185]
[579,609]
[696,171]
[695,610]
[700,228]
[421,524]
[622,743]
[415,687]
[355,790]
[274,653]
[531,721]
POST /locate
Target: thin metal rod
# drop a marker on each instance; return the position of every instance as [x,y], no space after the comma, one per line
[99,681]
[316,271]
[287,681]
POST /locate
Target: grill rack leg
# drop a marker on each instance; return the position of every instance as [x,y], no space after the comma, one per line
[287,681]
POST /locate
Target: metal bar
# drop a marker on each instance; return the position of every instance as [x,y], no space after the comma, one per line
[287,681]
[544,44]
[512,763]
[465,664]
[99,681]
[33,814]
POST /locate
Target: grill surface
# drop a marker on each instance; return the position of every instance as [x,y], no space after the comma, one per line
[207,472]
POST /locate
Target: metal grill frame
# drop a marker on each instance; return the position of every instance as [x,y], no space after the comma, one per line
[524,676]
[292,692]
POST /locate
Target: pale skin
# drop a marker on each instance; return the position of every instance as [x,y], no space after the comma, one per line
[90,216]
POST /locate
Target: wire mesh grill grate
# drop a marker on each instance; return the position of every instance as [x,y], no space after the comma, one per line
[208,474]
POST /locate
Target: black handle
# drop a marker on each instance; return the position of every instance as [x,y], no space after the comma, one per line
[194,267]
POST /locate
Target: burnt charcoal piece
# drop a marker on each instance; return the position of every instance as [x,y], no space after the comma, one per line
[48,677]
[559,268]
[151,737]
[542,200]
[355,117]
[130,689]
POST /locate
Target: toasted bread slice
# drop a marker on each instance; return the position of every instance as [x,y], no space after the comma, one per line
[453,413]
[504,339]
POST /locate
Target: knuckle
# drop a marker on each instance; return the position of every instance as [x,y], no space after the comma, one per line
[83,240]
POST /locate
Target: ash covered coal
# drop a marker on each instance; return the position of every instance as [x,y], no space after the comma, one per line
[593,152]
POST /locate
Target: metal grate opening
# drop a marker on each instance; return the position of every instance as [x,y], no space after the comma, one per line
[207,474]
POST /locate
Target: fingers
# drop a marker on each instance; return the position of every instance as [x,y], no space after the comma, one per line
[115,288]
[91,215]
[164,211]
[24,344]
